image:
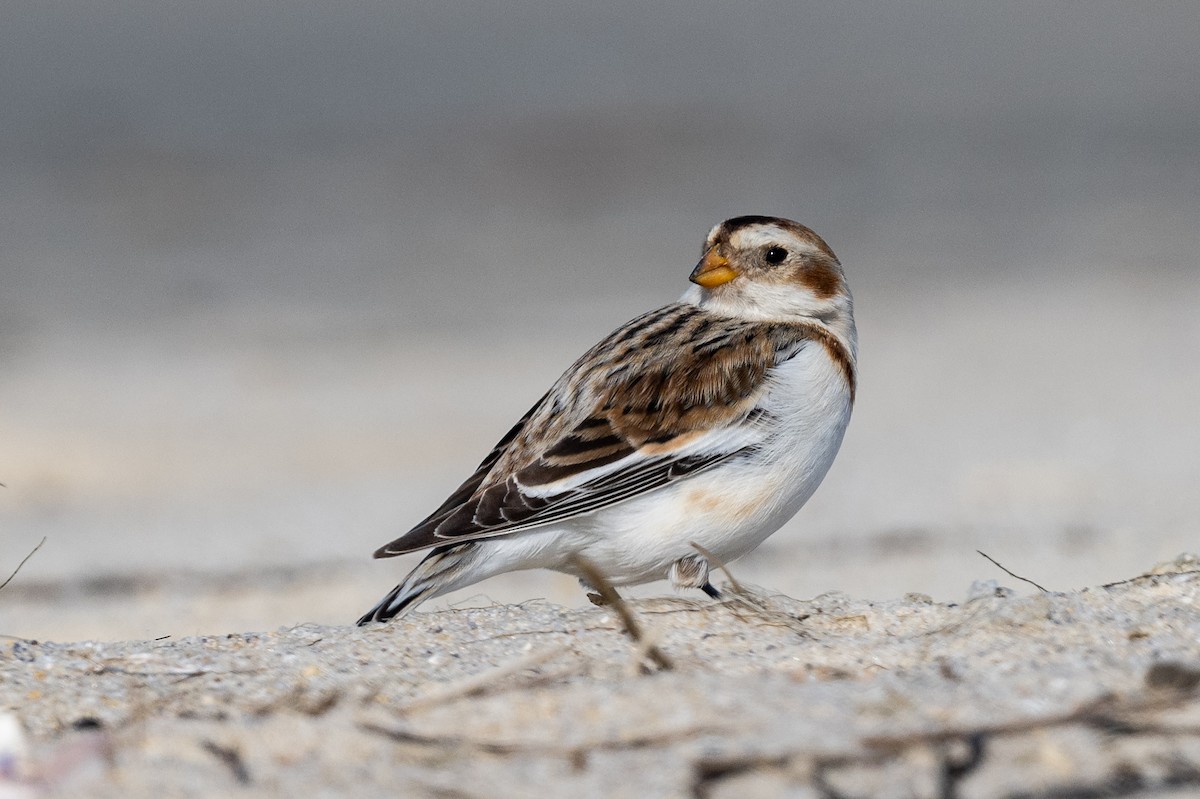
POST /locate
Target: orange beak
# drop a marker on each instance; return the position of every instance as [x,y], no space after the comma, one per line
[713,270]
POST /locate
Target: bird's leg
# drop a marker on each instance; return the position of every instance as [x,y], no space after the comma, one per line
[692,572]
[593,595]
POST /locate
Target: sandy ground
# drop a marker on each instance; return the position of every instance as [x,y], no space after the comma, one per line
[1085,694]
[272,284]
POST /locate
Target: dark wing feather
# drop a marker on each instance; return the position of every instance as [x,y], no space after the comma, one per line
[613,403]
[504,508]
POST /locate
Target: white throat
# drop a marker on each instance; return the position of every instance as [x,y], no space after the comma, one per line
[774,303]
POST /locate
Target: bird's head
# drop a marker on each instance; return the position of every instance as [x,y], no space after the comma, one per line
[764,267]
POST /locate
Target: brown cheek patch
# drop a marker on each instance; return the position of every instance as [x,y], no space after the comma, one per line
[822,279]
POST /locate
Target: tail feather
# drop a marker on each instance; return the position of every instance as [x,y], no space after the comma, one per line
[439,573]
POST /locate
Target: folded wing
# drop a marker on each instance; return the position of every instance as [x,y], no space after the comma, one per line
[629,417]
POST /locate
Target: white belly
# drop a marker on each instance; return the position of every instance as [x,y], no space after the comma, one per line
[732,508]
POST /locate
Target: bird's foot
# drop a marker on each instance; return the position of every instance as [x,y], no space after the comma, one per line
[692,572]
[594,595]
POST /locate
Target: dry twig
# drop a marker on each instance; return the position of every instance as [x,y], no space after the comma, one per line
[652,738]
[1168,685]
[1150,576]
[744,600]
[597,580]
[22,563]
[231,758]
[1011,574]
[720,564]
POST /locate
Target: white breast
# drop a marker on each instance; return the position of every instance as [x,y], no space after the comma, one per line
[809,400]
[734,507]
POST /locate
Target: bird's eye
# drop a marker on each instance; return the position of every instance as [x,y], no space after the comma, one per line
[776,255]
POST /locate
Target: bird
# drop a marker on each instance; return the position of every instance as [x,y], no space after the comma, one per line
[692,432]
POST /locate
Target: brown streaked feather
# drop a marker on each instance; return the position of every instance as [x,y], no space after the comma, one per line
[619,399]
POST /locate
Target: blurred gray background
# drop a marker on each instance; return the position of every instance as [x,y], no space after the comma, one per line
[274,277]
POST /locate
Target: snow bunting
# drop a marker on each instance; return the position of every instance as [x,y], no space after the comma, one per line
[710,420]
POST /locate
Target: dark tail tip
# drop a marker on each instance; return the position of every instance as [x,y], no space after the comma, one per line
[388,607]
